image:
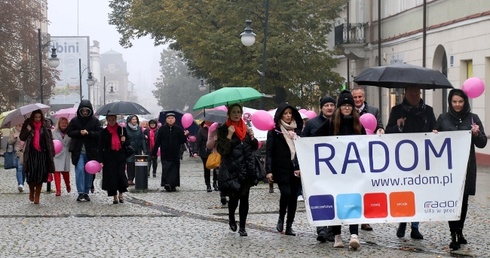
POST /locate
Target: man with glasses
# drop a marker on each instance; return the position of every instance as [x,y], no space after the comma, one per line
[84,131]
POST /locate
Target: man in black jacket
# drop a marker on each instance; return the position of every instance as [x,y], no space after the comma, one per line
[84,131]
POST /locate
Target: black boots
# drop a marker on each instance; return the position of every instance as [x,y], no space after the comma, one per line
[461,239]
[415,234]
[280,225]
[208,188]
[454,245]
[271,187]
[400,232]
[215,185]
[289,229]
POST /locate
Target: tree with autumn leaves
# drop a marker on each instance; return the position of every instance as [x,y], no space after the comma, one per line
[19,56]
[207,34]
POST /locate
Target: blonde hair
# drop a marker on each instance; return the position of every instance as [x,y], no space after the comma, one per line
[59,122]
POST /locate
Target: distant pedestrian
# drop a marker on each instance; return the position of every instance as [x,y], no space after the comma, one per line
[281,162]
[236,144]
[150,136]
[203,152]
[18,147]
[137,140]
[62,159]
[84,130]
[211,145]
[460,117]
[112,157]
[411,116]
[38,153]
[170,138]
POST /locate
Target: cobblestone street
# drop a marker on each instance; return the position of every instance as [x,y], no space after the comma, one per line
[193,223]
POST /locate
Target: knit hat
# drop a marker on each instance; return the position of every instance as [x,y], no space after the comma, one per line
[325,100]
[345,97]
[170,114]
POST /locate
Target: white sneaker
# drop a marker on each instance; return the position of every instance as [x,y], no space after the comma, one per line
[300,198]
[354,242]
[20,188]
[338,242]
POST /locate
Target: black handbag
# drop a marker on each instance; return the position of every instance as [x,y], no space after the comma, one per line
[9,159]
[129,150]
[259,168]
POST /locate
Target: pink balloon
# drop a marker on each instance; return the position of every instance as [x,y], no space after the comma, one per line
[222,108]
[369,131]
[369,121]
[58,146]
[191,138]
[473,87]
[122,124]
[260,144]
[92,167]
[310,114]
[212,127]
[187,120]
[302,111]
[159,124]
[262,120]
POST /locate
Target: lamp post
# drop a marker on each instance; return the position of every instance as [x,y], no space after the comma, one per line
[53,62]
[90,79]
[248,39]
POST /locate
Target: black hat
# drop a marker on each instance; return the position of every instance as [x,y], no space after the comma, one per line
[325,100]
[169,114]
[345,97]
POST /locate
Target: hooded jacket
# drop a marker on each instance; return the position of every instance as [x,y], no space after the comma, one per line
[278,156]
[463,120]
[90,141]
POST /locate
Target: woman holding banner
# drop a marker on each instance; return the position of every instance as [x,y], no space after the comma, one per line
[345,121]
[459,117]
[282,164]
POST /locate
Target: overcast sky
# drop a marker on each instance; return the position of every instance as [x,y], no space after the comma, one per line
[142,59]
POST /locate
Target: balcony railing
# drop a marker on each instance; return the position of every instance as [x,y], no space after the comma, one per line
[350,33]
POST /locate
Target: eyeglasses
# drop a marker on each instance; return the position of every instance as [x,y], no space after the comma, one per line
[346,107]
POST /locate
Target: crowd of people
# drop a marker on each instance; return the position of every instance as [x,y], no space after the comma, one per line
[115,146]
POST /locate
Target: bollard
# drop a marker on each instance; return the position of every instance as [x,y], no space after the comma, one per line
[141,172]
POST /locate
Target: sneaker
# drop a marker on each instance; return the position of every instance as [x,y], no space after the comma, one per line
[354,242]
[20,188]
[300,198]
[81,198]
[86,197]
[338,242]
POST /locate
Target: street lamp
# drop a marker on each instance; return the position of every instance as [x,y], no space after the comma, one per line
[90,79]
[202,86]
[248,39]
[53,62]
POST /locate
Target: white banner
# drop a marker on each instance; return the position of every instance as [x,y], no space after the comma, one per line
[383,178]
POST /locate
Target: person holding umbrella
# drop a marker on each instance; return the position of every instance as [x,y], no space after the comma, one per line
[169,139]
[411,116]
[460,117]
[38,153]
[62,159]
[203,152]
[236,144]
[84,132]
[137,140]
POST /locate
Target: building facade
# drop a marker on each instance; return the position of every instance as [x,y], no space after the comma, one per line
[445,35]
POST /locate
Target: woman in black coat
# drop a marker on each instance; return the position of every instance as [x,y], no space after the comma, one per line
[203,152]
[236,145]
[113,159]
[137,140]
[282,164]
[459,117]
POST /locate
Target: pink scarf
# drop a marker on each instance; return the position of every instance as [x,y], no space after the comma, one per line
[152,137]
[37,135]
[115,142]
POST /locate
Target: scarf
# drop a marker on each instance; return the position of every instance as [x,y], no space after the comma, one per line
[240,128]
[419,110]
[115,142]
[289,134]
[37,135]
[134,127]
[152,137]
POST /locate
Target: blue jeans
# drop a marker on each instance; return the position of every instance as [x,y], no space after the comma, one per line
[82,178]
[19,174]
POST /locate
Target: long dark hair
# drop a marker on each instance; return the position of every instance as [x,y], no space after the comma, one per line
[337,121]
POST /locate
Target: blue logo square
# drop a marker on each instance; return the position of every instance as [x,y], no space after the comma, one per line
[349,206]
[322,207]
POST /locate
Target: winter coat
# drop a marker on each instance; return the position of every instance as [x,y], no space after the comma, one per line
[453,121]
[137,140]
[312,125]
[17,144]
[146,133]
[90,141]
[278,155]
[201,140]
[169,140]
[62,159]
[46,143]
[419,119]
[113,174]
[237,160]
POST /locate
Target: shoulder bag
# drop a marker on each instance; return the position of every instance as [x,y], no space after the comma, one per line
[213,161]
[9,158]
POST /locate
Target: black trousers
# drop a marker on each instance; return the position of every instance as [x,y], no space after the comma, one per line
[288,201]
[353,229]
[207,172]
[457,225]
[152,162]
[130,169]
[242,197]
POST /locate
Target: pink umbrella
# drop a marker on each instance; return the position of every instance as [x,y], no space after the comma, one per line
[66,112]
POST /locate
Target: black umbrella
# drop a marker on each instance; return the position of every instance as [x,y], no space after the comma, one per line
[218,116]
[403,75]
[178,120]
[122,108]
